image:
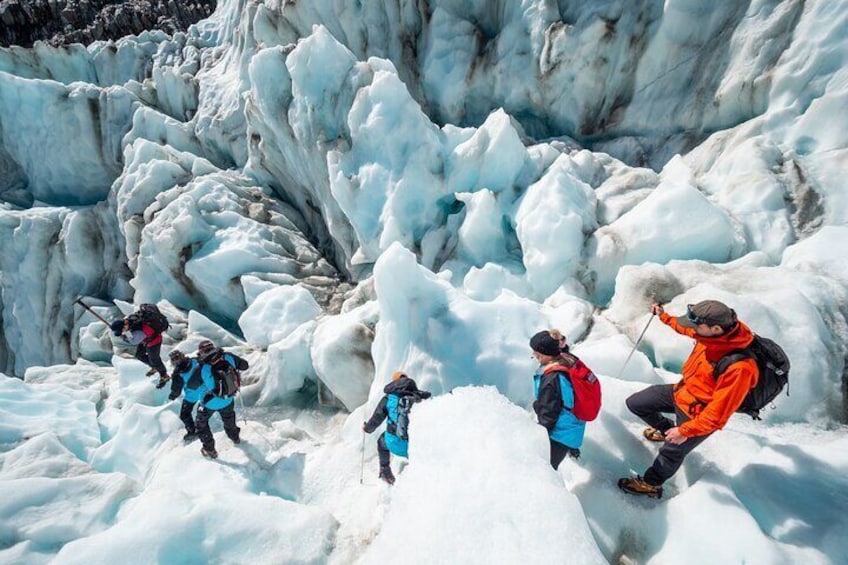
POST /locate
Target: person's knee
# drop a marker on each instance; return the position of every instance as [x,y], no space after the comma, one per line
[632,403]
[645,401]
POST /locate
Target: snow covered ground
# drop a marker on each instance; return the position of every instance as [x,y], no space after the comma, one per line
[336,192]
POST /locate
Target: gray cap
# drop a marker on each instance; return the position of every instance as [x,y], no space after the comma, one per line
[710,312]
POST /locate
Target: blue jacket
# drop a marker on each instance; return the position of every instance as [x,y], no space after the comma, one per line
[207,388]
[187,380]
[388,408]
[554,401]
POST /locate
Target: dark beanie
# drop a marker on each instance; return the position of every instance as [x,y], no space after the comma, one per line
[543,343]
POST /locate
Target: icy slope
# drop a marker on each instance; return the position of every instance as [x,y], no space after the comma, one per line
[477,487]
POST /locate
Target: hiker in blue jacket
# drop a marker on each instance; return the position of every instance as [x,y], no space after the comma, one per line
[400,394]
[554,396]
[185,379]
[214,363]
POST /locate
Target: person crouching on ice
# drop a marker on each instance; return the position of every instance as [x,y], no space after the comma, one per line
[214,361]
[554,393]
[400,395]
[701,402]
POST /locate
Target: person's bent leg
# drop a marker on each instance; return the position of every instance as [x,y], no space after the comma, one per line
[383,451]
[558,453]
[671,456]
[154,359]
[385,457]
[203,431]
[650,403]
[185,416]
[141,353]
[228,416]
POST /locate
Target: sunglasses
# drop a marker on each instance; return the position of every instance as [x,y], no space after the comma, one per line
[694,318]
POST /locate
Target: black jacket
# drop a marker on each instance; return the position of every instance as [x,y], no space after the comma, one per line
[402,387]
[548,406]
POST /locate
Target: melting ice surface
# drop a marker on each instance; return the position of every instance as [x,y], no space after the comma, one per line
[338,192]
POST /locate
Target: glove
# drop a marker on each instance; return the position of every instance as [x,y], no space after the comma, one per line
[207,398]
[117,327]
[172,396]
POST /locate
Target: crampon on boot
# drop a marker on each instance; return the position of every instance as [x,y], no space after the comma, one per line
[210,453]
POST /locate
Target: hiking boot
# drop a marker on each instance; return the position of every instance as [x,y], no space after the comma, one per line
[236,440]
[190,436]
[210,453]
[653,434]
[637,485]
[386,475]
[163,380]
[151,372]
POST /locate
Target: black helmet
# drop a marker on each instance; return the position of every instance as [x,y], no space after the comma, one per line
[177,357]
[207,352]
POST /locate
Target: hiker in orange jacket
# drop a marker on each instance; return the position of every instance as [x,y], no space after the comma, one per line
[702,402]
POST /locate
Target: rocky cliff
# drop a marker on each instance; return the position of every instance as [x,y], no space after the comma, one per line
[60,22]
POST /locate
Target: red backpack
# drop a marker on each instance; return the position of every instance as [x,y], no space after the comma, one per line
[587,388]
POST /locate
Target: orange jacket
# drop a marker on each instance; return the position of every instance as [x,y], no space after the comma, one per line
[708,401]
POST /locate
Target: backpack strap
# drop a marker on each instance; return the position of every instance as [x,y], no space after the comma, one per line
[562,365]
[566,372]
[720,366]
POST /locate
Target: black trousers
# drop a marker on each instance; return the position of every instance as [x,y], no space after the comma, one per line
[185,416]
[383,451]
[228,416]
[559,452]
[649,405]
[151,356]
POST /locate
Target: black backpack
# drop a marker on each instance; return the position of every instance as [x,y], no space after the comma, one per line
[404,405]
[773,365]
[149,314]
[227,379]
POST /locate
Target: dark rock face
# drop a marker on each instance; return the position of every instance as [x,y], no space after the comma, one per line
[61,22]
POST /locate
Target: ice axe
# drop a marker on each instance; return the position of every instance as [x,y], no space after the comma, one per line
[96,315]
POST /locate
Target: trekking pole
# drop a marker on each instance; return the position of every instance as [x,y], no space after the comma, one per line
[96,315]
[243,410]
[362,460]
[635,345]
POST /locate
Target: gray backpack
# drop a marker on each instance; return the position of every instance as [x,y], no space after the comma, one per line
[402,423]
[227,380]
